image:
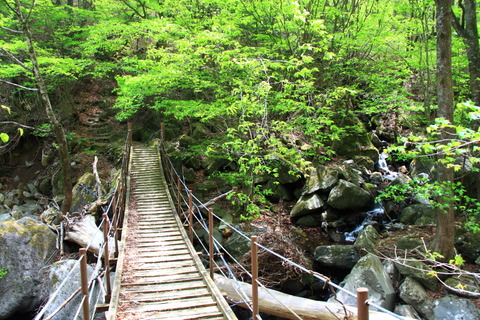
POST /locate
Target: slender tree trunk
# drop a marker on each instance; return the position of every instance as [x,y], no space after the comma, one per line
[57,127]
[468,30]
[445,232]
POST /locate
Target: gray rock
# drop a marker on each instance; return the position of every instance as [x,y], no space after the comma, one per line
[418,271]
[321,178]
[400,179]
[367,238]
[32,188]
[364,162]
[418,214]
[408,243]
[237,245]
[58,272]
[309,221]
[81,197]
[306,205]
[369,273]
[346,195]
[27,246]
[339,256]
[2,198]
[355,141]
[352,173]
[376,178]
[5,217]
[51,216]
[463,285]
[454,308]
[406,311]
[415,295]
[468,244]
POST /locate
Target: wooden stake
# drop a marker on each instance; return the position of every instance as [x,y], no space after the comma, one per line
[84,277]
[190,215]
[210,242]
[362,306]
[108,294]
[179,195]
[254,252]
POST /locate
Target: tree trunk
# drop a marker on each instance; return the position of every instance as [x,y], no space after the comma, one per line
[57,128]
[468,30]
[445,232]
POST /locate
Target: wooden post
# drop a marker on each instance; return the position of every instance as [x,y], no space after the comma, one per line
[106,257]
[162,131]
[362,306]
[210,242]
[179,195]
[254,252]
[84,278]
[190,215]
[129,134]
[115,224]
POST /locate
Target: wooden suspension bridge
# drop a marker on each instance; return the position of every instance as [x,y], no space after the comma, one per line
[159,274]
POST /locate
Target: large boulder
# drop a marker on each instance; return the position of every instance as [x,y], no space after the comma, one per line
[418,214]
[368,273]
[418,271]
[27,247]
[355,139]
[306,205]
[337,256]
[81,193]
[320,178]
[346,195]
[468,244]
[454,308]
[58,272]
[237,245]
[415,295]
[367,238]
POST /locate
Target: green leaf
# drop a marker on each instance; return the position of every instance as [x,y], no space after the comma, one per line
[21,131]
[4,137]
[6,108]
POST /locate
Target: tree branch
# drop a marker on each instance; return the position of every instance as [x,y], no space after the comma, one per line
[23,126]
[17,85]
[212,201]
[11,30]
[10,56]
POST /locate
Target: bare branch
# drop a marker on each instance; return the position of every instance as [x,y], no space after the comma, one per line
[12,30]
[17,85]
[212,201]
[10,56]
[23,126]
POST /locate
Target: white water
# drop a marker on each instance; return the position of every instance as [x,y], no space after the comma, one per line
[382,164]
[376,212]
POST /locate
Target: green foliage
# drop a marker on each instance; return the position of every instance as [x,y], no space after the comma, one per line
[439,194]
[44,130]
[4,137]
[3,272]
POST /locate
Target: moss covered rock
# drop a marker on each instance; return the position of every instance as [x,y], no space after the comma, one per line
[27,247]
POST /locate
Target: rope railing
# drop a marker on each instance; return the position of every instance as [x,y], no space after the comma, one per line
[102,267]
[178,188]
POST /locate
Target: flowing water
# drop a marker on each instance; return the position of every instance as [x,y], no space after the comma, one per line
[373,215]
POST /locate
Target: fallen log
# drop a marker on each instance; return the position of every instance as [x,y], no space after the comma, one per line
[83,231]
[306,309]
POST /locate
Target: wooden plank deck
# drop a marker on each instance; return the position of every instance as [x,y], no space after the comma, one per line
[159,275]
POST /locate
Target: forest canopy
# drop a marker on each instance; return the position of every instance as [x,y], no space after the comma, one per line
[280,81]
